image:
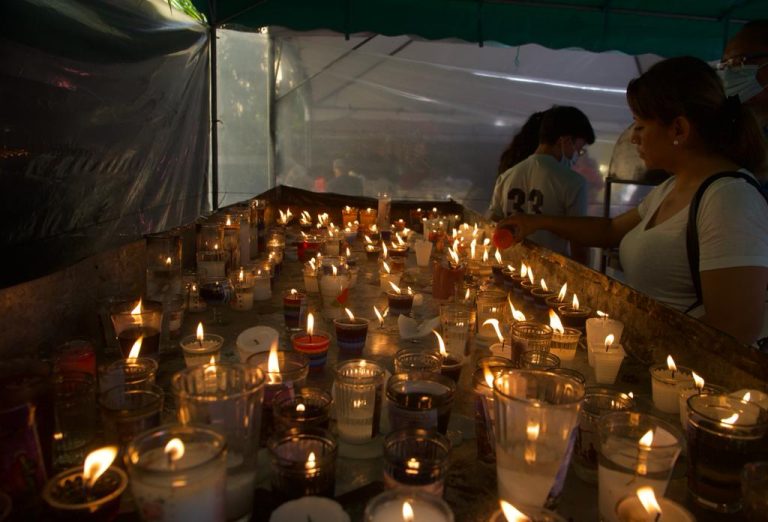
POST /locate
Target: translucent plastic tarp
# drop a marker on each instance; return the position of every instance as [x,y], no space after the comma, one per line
[244,84]
[429,120]
[105,127]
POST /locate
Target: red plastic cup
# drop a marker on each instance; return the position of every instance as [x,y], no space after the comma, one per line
[503,238]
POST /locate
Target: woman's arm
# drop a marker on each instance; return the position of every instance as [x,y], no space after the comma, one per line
[587,231]
[734,300]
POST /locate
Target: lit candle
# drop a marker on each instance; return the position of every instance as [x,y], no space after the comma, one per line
[608,361]
[564,340]
[405,505]
[132,370]
[665,380]
[379,317]
[644,507]
[313,344]
[399,302]
[178,473]
[598,328]
[262,289]
[89,493]
[351,333]
[244,293]
[452,363]
[295,309]
[199,348]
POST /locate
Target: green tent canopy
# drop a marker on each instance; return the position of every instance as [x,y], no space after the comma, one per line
[664,27]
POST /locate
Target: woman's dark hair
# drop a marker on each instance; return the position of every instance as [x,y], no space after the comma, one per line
[562,121]
[523,144]
[688,87]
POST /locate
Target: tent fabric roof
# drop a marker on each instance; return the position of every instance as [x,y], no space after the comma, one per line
[665,27]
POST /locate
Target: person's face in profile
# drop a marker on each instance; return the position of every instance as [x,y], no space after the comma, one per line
[653,141]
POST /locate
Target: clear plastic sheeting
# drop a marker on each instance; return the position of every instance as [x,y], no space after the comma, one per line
[243,112]
[429,120]
[105,128]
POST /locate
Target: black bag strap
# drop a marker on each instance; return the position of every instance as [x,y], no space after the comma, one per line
[692,232]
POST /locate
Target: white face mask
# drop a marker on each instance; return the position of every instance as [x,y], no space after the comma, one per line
[741,81]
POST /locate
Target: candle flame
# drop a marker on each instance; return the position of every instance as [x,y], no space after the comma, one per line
[575,302]
[647,440]
[555,322]
[648,500]
[384,251]
[698,381]
[602,314]
[472,248]
[467,294]
[488,376]
[311,464]
[412,466]
[135,350]
[517,315]
[367,239]
[395,287]
[497,255]
[731,420]
[454,255]
[168,261]
[334,270]
[485,256]
[310,323]
[349,254]
[511,513]
[747,397]
[530,276]
[378,314]
[532,430]
[441,343]
[523,270]
[609,341]
[495,324]
[137,309]
[300,408]
[407,512]
[96,463]
[216,246]
[631,395]
[229,220]
[273,362]
[563,292]
[350,314]
[241,275]
[200,332]
[671,363]
[386,268]
[293,291]
[544,285]
[174,450]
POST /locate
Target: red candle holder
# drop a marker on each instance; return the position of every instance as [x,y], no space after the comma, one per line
[314,346]
[444,279]
[308,248]
[76,357]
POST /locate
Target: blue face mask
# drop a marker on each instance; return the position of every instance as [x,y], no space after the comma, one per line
[567,162]
[741,81]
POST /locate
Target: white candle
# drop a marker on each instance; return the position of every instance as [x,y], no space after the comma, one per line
[254,340]
[317,509]
[262,289]
[631,509]
[243,300]
[665,380]
[607,362]
[310,281]
[421,510]
[598,328]
[175,491]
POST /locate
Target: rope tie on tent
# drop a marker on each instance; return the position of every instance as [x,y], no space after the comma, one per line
[480,38]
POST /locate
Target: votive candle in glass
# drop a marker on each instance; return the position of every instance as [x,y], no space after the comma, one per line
[724,433]
[529,335]
[351,334]
[313,344]
[665,380]
[574,315]
[75,357]
[302,407]
[358,394]
[295,310]
[129,410]
[631,509]
[420,400]
[303,462]
[399,302]
[539,360]
[564,344]
[134,319]
[178,473]
[482,385]
[417,360]
[199,348]
[130,371]
[416,458]
[404,504]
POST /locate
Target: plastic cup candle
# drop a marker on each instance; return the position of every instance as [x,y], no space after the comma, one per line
[407,505]
[446,274]
[334,289]
[529,335]
[645,507]
[89,493]
[133,370]
[310,278]
[200,348]
[665,380]
[451,362]
[295,310]
[490,305]
[254,340]
[399,302]
[313,344]
[308,247]
[178,473]
[194,303]
[416,458]
[301,408]
[351,333]
[500,349]
[564,340]
[635,450]
[303,463]
[598,328]
[724,433]
[608,361]
[510,513]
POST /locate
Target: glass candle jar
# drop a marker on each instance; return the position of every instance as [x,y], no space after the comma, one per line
[302,407]
[358,393]
[417,360]
[529,335]
[172,485]
[303,463]
[351,334]
[539,360]
[564,344]
[129,410]
[295,310]
[200,351]
[420,400]
[68,499]
[134,319]
[416,458]
[139,371]
[482,386]
[388,507]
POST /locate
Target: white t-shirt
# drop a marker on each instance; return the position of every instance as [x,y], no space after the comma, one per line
[540,185]
[733,232]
